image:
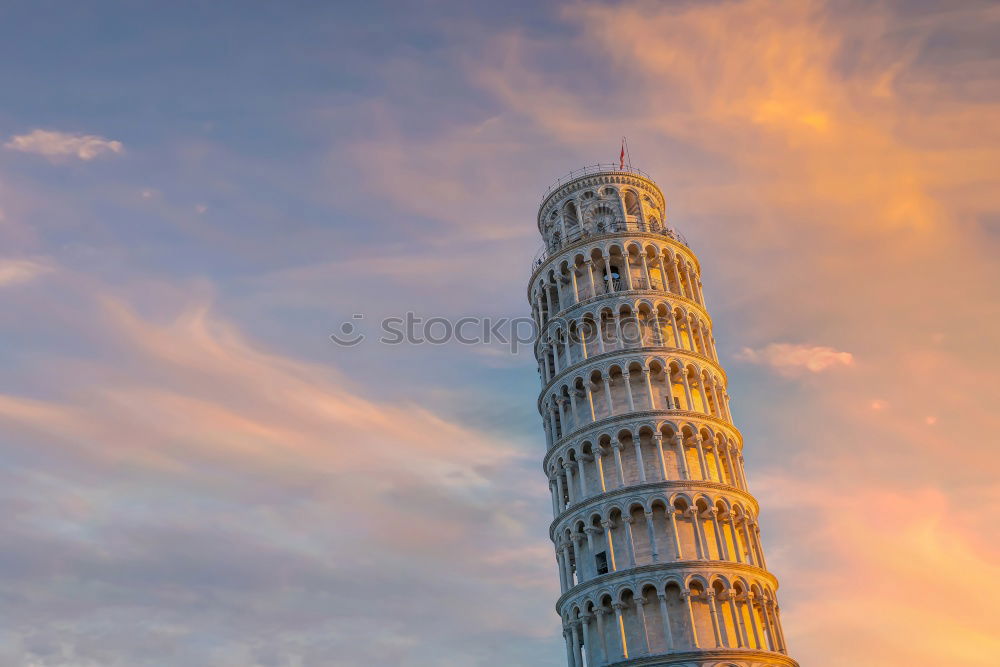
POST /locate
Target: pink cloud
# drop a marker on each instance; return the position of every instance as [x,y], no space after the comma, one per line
[290,460]
[792,359]
[196,388]
[22,270]
[56,145]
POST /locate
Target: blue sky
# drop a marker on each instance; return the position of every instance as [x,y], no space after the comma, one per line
[193,198]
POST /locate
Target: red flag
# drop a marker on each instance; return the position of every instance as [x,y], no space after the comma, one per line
[621,158]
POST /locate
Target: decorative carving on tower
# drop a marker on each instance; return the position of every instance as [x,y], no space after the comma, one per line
[655,530]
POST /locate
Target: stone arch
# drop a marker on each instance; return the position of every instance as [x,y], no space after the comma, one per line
[570,214]
[631,199]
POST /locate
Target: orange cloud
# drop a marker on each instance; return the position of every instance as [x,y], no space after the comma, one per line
[882,564]
[839,181]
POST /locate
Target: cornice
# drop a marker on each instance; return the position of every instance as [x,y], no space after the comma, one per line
[649,489]
[647,350]
[596,179]
[612,235]
[667,415]
[621,297]
[633,575]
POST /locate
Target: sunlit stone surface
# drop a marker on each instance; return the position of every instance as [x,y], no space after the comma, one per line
[655,530]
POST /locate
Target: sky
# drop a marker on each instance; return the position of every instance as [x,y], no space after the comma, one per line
[195,196]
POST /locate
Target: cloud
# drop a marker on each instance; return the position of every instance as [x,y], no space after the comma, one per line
[218,487]
[198,359]
[179,489]
[57,146]
[837,176]
[868,548]
[448,176]
[791,359]
[16,271]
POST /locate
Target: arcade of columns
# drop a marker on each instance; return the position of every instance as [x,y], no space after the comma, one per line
[657,542]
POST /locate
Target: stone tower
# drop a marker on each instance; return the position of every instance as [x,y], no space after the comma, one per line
[655,530]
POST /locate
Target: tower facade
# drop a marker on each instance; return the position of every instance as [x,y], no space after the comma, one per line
[655,530]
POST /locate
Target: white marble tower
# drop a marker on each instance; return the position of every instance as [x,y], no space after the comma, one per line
[655,530]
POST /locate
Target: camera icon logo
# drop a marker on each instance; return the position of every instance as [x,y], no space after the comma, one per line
[349,336]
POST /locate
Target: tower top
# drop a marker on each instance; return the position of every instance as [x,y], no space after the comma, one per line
[590,180]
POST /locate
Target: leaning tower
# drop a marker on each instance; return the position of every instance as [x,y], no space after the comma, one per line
[655,530]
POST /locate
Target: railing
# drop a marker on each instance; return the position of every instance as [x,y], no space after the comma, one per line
[545,252]
[601,168]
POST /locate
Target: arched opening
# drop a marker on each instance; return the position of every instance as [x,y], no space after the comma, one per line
[759,615]
[571,465]
[697,458]
[632,203]
[673,454]
[741,529]
[663,319]
[683,330]
[697,392]
[708,385]
[654,619]
[740,602]
[726,527]
[619,547]
[678,390]
[725,614]
[609,465]
[662,540]
[631,333]
[618,402]
[610,634]
[657,389]
[601,219]
[685,530]
[701,614]
[647,326]
[591,469]
[712,461]
[678,626]
[584,557]
[641,535]
[631,458]
[633,627]
[614,270]
[570,217]
[706,526]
